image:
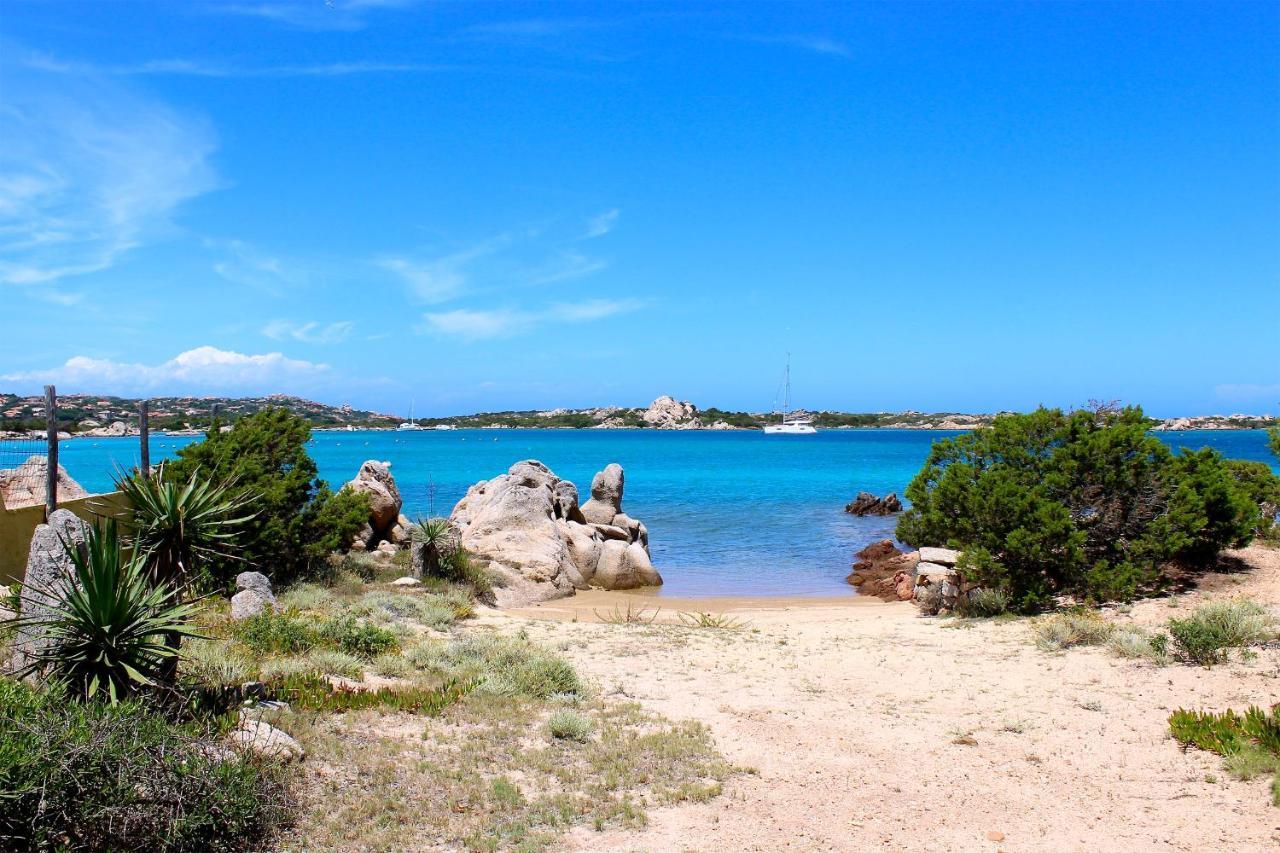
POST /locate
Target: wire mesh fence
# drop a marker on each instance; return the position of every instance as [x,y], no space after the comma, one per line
[23,471]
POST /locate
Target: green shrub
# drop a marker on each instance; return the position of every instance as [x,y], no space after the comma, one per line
[298,520]
[275,633]
[983,603]
[570,725]
[1212,630]
[1136,643]
[359,639]
[111,631]
[1085,503]
[1069,628]
[91,776]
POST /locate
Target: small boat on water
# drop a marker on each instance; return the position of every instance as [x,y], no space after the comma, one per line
[789,424]
[410,424]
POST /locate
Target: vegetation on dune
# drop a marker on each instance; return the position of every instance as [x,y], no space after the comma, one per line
[298,520]
[1249,742]
[1206,637]
[1084,503]
[93,776]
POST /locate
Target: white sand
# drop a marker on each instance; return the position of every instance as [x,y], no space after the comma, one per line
[855,714]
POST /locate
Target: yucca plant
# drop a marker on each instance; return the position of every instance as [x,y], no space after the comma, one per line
[108,625]
[180,526]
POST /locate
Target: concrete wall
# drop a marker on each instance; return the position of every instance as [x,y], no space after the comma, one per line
[17,525]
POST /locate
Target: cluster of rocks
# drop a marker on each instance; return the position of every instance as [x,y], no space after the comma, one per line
[25,485]
[927,576]
[670,413]
[539,543]
[115,429]
[386,531]
[884,571]
[868,504]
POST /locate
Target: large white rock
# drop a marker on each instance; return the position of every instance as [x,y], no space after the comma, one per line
[944,556]
[374,480]
[526,527]
[266,740]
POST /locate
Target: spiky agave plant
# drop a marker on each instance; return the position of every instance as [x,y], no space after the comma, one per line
[107,625]
[180,527]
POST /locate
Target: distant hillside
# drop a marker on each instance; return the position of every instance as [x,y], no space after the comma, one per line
[83,412]
[79,413]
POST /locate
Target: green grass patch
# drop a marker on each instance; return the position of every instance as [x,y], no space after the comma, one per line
[1248,742]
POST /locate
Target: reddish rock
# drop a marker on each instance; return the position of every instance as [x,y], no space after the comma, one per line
[884,571]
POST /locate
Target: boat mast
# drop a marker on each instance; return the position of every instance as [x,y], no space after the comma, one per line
[786,393]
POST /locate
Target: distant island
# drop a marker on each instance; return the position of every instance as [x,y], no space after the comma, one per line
[101,415]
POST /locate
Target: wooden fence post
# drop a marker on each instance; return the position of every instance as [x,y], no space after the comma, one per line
[51,435]
[144,437]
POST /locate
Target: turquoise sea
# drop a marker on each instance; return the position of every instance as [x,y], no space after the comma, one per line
[729,513]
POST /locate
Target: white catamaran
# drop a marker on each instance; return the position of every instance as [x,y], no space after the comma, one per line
[790,424]
[410,424]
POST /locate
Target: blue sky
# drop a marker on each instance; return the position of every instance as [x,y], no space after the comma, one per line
[483,206]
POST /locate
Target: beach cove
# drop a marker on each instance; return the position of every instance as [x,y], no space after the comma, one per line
[731,513]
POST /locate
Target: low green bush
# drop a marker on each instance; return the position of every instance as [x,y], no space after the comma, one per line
[570,725]
[1069,628]
[275,633]
[360,639]
[93,776]
[1212,630]
[1250,742]
[983,603]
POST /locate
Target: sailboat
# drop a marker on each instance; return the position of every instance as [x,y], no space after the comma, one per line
[409,424]
[789,424]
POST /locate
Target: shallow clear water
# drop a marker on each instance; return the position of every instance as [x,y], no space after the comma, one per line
[729,513]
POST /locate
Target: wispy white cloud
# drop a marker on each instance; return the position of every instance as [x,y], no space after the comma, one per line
[473,325]
[439,279]
[312,14]
[812,43]
[245,265]
[566,264]
[203,369]
[601,224]
[309,333]
[88,171]
[531,28]
[207,68]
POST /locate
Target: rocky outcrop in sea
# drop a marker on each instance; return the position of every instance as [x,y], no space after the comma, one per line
[868,504]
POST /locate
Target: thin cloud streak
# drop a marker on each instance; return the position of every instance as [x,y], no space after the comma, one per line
[312,332]
[811,43]
[195,68]
[475,325]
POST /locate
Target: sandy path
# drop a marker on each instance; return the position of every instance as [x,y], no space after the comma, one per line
[859,718]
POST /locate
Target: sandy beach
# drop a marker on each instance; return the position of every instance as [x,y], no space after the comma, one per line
[866,726]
